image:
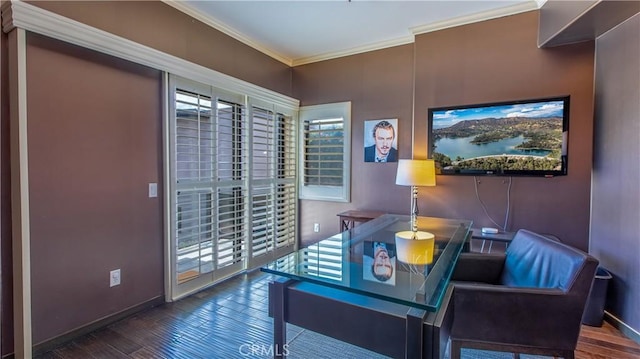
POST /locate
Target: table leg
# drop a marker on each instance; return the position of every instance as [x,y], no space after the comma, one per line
[277,294]
[414,333]
[346,224]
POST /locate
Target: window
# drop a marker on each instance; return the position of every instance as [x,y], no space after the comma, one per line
[326,152]
[232,183]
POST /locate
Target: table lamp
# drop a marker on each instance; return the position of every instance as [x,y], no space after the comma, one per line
[415,247]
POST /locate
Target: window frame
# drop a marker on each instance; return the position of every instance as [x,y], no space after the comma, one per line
[324,192]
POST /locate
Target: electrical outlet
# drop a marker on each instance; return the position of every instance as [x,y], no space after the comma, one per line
[316,227]
[114,278]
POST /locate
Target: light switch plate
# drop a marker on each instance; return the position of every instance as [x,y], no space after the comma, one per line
[153,190]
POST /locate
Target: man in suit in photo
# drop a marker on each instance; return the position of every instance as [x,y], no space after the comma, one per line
[382,150]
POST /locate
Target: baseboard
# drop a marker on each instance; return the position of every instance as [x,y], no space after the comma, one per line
[100,323]
[622,327]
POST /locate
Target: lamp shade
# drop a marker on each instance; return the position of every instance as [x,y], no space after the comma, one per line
[415,247]
[416,173]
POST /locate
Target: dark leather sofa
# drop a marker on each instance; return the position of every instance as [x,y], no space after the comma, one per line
[527,300]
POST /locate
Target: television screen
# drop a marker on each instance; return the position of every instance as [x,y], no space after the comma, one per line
[526,138]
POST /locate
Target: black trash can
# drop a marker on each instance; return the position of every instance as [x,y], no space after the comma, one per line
[594,311]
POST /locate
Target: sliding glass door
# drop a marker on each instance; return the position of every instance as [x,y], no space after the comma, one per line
[233,194]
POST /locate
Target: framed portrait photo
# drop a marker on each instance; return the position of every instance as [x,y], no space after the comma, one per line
[381,140]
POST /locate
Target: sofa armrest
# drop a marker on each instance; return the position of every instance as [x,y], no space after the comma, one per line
[477,267]
[548,318]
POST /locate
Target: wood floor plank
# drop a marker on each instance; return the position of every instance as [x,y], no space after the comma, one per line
[98,347]
[605,346]
[171,352]
[50,355]
[134,328]
[606,333]
[116,340]
[145,353]
[71,351]
[590,351]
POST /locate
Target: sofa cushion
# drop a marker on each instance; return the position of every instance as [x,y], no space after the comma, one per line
[533,260]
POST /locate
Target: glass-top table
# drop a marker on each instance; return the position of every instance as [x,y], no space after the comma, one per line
[365,260]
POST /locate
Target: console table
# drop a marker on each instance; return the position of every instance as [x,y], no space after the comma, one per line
[504,237]
[327,288]
[348,219]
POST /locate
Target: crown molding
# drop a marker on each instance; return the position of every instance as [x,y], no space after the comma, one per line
[478,17]
[354,51]
[441,25]
[224,28]
[37,20]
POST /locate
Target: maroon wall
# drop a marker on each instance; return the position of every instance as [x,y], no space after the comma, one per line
[616,169]
[498,60]
[95,142]
[490,61]
[160,26]
[379,85]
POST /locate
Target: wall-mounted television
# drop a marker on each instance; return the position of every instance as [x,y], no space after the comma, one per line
[514,138]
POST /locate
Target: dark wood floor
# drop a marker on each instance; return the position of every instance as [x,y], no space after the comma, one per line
[226,320]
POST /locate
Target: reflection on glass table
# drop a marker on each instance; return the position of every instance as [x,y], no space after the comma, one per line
[365,260]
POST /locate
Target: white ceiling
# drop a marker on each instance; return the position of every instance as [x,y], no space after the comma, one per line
[303,31]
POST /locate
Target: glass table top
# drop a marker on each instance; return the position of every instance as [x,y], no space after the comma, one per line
[367,260]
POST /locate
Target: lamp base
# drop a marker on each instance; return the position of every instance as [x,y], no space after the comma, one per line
[415,247]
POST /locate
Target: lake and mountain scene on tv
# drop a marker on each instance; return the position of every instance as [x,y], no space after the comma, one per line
[512,137]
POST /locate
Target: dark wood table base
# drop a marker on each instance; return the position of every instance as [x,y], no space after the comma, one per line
[388,328]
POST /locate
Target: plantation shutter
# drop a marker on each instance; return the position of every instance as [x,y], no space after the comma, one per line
[273,181]
[210,174]
[286,196]
[194,138]
[232,200]
[324,152]
[194,151]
